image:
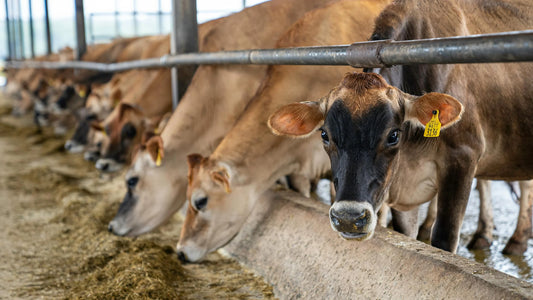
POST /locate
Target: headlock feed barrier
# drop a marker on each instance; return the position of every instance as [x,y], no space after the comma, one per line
[515,46]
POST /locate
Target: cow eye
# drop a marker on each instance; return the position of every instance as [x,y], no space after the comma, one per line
[324,135]
[393,138]
[132,182]
[200,203]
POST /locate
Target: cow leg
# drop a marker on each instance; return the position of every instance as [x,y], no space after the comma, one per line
[485,225]
[424,232]
[383,214]
[517,245]
[405,222]
[300,183]
[453,193]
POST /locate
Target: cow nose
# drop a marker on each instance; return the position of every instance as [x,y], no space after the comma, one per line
[350,220]
[110,227]
[68,145]
[182,258]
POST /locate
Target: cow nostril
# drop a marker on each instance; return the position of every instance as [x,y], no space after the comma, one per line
[110,228]
[105,167]
[182,258]
[335,220]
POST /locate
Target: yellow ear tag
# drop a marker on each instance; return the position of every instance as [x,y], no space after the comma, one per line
[158,159]
[156,131]
[103,132]
[82,93]
[433,126]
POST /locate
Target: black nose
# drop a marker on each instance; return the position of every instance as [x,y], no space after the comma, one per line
[182,257]
[105,167]
[349,220]
[110,227]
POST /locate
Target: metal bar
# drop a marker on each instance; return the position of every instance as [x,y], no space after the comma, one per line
[32,34]
[10,54]
[514,46]
[20,31]
[184,39]
[47,28]
[80,30]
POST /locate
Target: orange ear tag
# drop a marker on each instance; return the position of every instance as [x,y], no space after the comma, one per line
[158,159]
[433,126]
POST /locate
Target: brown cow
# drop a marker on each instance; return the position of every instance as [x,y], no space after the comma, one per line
[216,97]
[374,135]
[224,187]
[124,129]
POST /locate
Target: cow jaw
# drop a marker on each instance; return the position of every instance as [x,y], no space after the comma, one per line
[153,200]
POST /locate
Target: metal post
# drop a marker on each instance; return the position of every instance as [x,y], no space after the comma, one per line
[13,28]
[20,31]
[184,39]
[10,54]
[80,30]
[32,35]
[47,28]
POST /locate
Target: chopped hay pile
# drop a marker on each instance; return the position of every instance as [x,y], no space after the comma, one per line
[55,239]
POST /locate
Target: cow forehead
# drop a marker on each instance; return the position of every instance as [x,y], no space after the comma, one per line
[359,103]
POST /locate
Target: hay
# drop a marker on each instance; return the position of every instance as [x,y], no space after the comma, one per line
[59,211]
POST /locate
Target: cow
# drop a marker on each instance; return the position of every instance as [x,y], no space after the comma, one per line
[216,97]
[374,135]
[150,100]
[224,187]
[103,98]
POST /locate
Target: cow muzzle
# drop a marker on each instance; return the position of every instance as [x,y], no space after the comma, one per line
[353,220]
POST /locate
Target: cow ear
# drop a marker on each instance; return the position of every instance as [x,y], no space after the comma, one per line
[116,95]
[221,176]
[297,120]
[154,146]
[193,160]
[449,109]
[123,108]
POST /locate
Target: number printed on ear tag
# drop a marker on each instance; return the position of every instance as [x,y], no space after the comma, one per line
[433,126]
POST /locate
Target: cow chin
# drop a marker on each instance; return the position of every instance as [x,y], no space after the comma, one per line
[353,220]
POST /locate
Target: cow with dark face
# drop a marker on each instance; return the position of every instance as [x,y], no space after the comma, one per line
[374,134]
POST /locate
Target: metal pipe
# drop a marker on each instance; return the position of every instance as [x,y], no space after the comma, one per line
[32,34]
[47,28]
[10,51]
[501,47]
[81,42]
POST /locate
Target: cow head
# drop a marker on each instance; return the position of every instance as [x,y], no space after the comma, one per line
[365,125]
[152,191]
[218,206]
[124,130]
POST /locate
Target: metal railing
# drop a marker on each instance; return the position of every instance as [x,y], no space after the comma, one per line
[516,46]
